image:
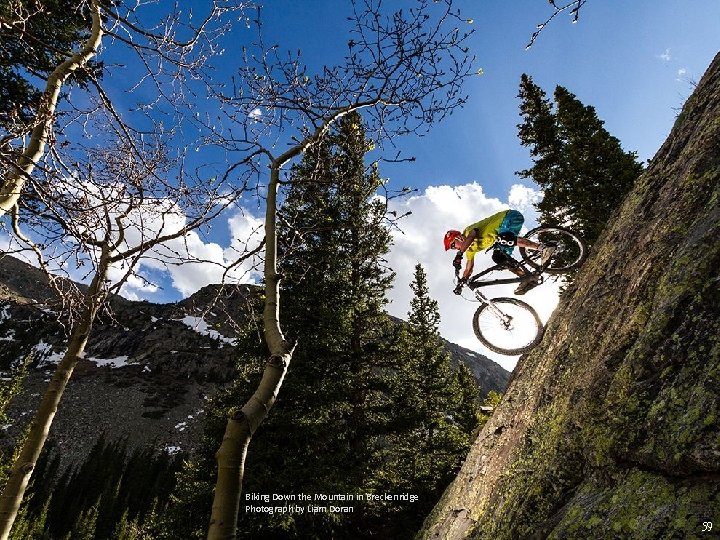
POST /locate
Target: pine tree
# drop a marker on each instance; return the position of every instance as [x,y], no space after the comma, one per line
[93,499]
[467,413]
[8,391]
[355,403]
[327,431]
[190,502]
[335,401]
[30,524]
[84,527]
[434,418]
[582,169]
[36,38]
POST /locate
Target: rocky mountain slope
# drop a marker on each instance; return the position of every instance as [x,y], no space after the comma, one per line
[148,368]
[610,428]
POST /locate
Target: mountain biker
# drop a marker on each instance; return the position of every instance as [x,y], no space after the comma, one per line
[501,229]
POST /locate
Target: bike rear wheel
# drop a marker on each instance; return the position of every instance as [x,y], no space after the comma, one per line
[508,326]
[571,249]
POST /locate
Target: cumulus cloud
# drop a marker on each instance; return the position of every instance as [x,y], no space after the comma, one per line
[665,56]
[418,240]
[435,211]
[524,198]
[189,262]
[135,288]
[247,231]
[8,244]
[206,262]
[185,264]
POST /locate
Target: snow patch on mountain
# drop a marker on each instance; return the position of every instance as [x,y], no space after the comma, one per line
[200,325]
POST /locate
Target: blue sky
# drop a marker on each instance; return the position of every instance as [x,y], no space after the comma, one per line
[635,62]
[611,59]
[631,60]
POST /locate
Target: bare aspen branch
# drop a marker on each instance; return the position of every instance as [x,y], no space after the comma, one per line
[118,205]
[15,179]
[404,71]
[574,8]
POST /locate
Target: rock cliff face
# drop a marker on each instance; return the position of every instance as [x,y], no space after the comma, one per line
[148,368]
[610,428]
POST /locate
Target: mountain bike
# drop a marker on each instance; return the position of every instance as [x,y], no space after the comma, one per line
[509,325]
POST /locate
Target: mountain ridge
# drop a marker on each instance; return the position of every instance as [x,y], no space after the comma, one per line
[148,368]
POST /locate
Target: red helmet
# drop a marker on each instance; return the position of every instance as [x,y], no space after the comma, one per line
[449,237]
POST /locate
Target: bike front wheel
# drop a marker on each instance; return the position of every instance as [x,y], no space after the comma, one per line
[570,252]
[507,326]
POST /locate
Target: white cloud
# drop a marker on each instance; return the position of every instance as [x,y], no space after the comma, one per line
[9,245]
[189,262]
[205,262]
[682,76]
[202,265]
[524,198]
[247,231]
[134,288]
[438,209]
[419,240]
[665,56]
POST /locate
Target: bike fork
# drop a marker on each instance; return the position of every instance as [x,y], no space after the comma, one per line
[506,319]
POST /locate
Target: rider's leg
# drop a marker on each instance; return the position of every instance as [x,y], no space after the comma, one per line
[546,251]
[504,260]
[525,243]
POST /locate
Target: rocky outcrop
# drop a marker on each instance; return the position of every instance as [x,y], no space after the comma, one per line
[610,428]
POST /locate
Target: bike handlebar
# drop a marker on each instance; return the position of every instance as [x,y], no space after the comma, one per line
[460,282]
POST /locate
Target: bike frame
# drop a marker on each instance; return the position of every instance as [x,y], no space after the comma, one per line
[474,283]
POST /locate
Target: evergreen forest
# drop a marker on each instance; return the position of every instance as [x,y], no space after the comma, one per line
[582,169]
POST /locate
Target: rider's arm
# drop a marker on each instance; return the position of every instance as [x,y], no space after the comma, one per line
[469,268]
[463,247]
[468,240]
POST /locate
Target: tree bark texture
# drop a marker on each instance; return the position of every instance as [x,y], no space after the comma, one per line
[15,179]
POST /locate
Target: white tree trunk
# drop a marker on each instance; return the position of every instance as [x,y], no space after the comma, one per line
[241,426]
[23,467]
[16,177]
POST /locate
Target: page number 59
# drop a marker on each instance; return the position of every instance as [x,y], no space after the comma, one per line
[707,526]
